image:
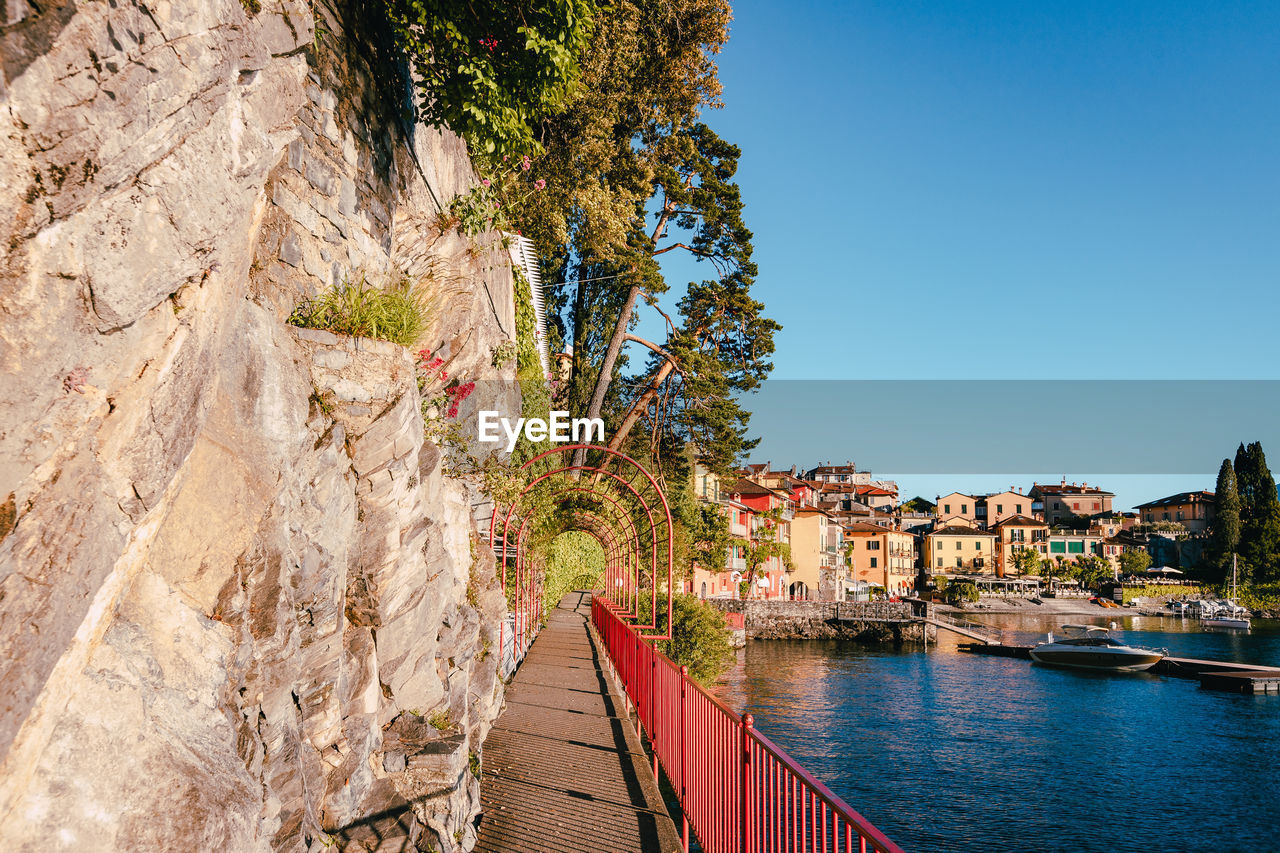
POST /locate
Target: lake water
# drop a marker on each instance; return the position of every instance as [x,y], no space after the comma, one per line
[952,752]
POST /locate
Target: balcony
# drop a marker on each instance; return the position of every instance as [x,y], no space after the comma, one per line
[735,564]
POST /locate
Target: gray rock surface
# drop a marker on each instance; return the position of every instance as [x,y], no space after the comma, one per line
[229,563]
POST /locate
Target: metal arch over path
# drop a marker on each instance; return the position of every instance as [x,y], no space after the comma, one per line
[627,499]
[738,791]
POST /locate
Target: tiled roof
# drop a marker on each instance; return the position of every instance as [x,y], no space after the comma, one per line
[1020,521]
[866,527]
[1181,498]
[1068,489]
[957,530]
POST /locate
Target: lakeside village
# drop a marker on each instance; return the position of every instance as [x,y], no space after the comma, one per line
[836,533]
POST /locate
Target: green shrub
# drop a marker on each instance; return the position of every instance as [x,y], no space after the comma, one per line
[959,592]
[1256,596]
[360,309]
[700,640]
[491,69]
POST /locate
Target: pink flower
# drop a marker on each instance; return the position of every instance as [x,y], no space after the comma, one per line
[525,163]
[453,411]
[539,184]
[484,182]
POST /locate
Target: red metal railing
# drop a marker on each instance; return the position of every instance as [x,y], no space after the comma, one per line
[739,793]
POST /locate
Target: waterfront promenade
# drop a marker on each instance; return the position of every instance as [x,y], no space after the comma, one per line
[563,768]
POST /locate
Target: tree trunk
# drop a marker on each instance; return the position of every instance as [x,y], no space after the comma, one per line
[641,403]
[606,366]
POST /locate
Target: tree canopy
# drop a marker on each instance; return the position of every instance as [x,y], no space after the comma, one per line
[633,173]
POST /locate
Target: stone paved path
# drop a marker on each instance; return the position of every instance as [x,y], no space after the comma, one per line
[563,769]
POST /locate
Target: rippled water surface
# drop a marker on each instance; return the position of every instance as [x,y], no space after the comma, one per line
[947,751]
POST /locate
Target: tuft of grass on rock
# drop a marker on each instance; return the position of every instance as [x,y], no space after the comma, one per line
[357,308]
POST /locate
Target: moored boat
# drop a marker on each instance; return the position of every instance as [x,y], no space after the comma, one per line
[1227,614]
[1092,647]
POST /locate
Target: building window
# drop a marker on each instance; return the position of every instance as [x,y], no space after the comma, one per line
[873,544]
[959,563]
[964,508]
[946,509]
[1097,505]
[873,562]
[1166,516]
[957,544]
[977,545]
[1018,509]
[999,509]
[939,562]
[1075,505]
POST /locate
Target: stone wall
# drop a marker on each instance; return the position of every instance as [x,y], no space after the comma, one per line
[824,620]
[241,606]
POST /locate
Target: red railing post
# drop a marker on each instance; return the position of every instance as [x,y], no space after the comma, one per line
[747,722]
[653,706]
[684,766]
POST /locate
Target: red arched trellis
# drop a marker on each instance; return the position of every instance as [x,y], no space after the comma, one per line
[614,527]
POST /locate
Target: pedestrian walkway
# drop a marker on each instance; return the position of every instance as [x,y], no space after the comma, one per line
[563,768]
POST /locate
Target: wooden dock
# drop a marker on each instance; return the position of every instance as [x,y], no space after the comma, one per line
[1212,674]
[563,768]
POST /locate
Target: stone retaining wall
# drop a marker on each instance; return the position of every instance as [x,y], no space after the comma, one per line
[817,620]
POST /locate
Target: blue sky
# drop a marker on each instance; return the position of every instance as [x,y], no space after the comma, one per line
[953,190]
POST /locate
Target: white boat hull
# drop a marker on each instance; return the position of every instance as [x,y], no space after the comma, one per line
[1226,622]
[1096,658]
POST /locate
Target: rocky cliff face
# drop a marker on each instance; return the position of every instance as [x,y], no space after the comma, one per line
[241,606]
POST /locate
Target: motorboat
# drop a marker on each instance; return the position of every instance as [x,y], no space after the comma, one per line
[1093,647]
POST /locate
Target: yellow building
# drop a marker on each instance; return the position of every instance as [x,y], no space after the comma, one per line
[995,508]
[957,505]
[820,572]
[983,511]
[956,547]
[1193,510]
[881,556]
[1015,534]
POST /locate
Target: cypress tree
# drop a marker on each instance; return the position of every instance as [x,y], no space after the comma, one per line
[1224,531]
[1259,515]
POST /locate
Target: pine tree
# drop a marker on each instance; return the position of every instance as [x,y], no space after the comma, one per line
[1224,530]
